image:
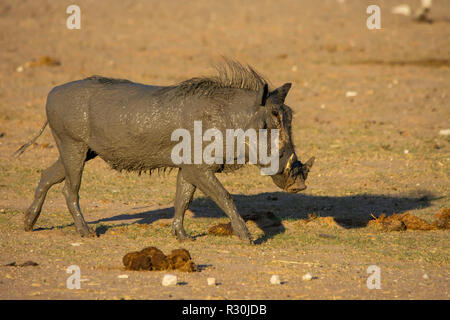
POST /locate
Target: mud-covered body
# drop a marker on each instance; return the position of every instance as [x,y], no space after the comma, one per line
[130,126]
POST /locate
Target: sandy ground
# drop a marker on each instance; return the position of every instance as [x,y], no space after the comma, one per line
[379,151]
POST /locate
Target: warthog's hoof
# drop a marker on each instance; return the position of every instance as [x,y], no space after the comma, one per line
[248,240]
[246,237]
[185,237]
[27,226]
[87,232]
[242,232]
[28,222]
[181,235]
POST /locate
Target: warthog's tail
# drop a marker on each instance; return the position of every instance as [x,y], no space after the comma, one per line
[29,143]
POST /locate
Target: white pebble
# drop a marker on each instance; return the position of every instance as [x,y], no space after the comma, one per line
[122,276]
[211,281]
[76,244]
[349,94]
[444,132]
[426,3]
[169,280]
[275,279]
[307,277]
[406,151]
[425,276]
[402,9]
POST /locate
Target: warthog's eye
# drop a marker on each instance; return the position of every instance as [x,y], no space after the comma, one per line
[275,113]
[295,169]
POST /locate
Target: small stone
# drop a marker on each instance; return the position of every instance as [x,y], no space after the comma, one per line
[307,277]
[76,244]
[275,279]
[444,132]
[403,9]
[426,3]
[406,151]
[211,281]
[349,94]
[122,276]
[425,276]
[169,280]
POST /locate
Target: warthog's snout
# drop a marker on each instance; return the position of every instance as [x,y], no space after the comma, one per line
[296,174]
[296,188]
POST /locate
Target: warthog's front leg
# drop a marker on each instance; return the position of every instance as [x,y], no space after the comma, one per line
[208,183]
[183,197]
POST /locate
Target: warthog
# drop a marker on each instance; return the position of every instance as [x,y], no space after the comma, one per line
[129,125]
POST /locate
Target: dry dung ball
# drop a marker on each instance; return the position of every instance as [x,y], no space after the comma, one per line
[152,258]
[442,219]
[222,229]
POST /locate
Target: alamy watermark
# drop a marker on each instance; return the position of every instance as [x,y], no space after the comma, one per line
[374,280]
[374,20]
[74,281]
[256,142]
[74,20]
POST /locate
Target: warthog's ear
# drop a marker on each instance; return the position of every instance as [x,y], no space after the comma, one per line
[308,164]
[279,95]
[261,97]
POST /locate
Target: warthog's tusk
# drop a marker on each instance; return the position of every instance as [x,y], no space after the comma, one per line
[290,163]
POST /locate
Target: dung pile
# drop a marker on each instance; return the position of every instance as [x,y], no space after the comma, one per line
[221,229]
[42,61]
[442,219]
[406,221]
[25,264]
[264,220]
[153,259]
[315,220]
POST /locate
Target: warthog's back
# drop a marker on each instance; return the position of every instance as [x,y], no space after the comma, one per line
[125,123]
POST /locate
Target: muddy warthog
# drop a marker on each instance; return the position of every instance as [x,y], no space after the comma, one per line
[129,125]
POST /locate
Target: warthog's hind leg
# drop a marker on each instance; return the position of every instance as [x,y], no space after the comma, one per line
[51,176]
[74,154]
[184,194]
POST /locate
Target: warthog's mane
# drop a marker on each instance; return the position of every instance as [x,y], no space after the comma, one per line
[105,80]
[230,75]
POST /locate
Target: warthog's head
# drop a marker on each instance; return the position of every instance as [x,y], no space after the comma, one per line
[293,177]
[292,174]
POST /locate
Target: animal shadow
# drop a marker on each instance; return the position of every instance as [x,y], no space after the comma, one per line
[348,211]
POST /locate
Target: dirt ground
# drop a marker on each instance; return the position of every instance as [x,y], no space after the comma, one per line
[380,151]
